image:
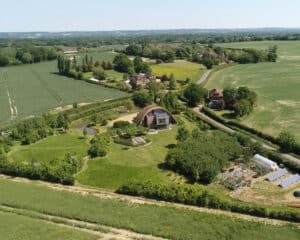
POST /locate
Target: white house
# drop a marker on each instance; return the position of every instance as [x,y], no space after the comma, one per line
[265,162]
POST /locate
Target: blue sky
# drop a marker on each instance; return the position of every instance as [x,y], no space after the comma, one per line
[94,15]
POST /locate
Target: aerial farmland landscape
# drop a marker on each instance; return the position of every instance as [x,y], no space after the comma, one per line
[124,121]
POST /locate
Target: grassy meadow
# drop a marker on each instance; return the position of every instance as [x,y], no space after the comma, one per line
[36,88]
[137,163]
[98,55]
[50,148]
[168,222]
[181,70]
[277,85]
[16,227]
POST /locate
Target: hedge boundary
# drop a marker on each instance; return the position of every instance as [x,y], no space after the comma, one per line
[201,197]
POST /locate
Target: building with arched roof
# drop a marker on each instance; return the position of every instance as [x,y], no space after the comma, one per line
[154,116]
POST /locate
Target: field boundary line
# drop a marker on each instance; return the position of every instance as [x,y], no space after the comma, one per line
[105,194]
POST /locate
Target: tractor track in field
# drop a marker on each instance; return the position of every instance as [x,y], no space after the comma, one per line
[44,83]
[11,101]
[101,231]
[104,194]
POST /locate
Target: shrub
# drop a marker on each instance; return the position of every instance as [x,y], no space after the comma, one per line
[99,145]
[121,124]
[286,141]
[142,99]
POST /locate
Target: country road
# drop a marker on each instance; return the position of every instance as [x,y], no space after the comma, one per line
[229,130]
[204,77]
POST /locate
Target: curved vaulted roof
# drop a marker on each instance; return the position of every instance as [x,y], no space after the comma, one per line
[140,117]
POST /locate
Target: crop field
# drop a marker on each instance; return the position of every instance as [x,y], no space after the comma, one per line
[168,222]
[33,89]
[16,227]
[277,85]
[139,163]
[50,148]
[99,55]
[181,70]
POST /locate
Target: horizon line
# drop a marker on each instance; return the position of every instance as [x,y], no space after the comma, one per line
[154,29]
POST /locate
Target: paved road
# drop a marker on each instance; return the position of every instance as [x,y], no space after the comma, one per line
[204,77]
[213,122]
[229,130]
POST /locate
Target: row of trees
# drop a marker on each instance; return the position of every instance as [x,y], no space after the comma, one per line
[207,55]
[28,54]
[71,67]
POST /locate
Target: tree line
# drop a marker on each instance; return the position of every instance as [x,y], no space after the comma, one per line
[208,55]
[153,38]
[27,55]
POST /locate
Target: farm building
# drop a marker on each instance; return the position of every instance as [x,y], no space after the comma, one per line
[265,162]
[216,99]
[154,116]
[141,79]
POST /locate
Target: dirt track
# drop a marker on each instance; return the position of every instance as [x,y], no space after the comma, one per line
[103,232]
[139,200]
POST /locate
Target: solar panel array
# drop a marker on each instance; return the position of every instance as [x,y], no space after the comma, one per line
[289,181]
[277,175]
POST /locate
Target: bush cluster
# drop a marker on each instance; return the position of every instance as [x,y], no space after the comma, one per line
[58,170]
[100,145]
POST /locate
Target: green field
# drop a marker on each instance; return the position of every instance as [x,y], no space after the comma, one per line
[16,227]
[181,70]
[34,89]
[50,148]
[168,222]
[99,55]
[138,163]
[277,85]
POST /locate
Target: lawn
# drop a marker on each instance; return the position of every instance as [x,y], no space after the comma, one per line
[36,88]
[181,70]
[16,227]
[114,75]
[50,148]
[123,164]
[168,222]
[277,85]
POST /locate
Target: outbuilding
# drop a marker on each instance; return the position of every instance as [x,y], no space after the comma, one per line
[265,162]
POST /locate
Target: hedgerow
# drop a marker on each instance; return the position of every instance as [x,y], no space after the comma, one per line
[200,196]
